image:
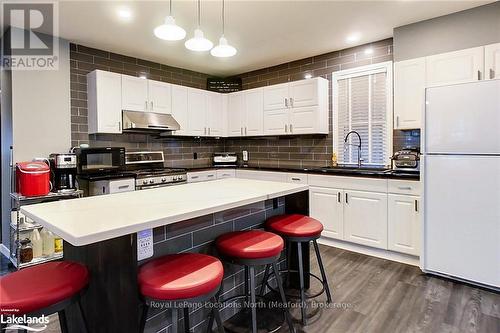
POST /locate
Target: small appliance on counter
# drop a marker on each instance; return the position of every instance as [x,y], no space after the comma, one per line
[225,160]
[103,160]
[63,172]
[406,160]
[32,179]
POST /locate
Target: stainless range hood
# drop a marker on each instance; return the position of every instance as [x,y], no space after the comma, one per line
[134,121]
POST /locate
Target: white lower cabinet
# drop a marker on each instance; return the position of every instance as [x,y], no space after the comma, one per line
[325,205]
[365,218]
[404,223]
[201,176]
[226,173]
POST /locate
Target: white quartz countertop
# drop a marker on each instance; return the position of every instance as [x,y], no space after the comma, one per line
[93,219]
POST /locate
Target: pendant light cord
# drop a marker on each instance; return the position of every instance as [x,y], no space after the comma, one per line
[223,21]
[170,5]
[199,11]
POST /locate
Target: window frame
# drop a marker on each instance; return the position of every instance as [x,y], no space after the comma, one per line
[382,67]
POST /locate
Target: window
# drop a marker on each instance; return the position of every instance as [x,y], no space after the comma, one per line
[363,103]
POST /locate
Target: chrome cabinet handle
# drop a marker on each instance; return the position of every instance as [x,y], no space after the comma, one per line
[209,131]
[479,75]
[123,187]
[404,188]
[120,126]
[195,177]
[205,131]
[286,102]
[338,197]
[146,103]
[291,101]
[295,178]
[416,205]
[245,130]
[291,128]
[286,128]
[152,107]
[209,176]
[346,199]
[492,73]
[241,130]
[397,121]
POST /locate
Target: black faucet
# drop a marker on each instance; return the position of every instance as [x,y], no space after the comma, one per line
[359,145]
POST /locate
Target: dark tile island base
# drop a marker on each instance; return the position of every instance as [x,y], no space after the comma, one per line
[112,302]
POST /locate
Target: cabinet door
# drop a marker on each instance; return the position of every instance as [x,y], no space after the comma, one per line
[326,206]
[276,97]
[492,61]
[304,93]
[254,112]
[365,218]
[303,120]
[134,93]
[403,224]
[276,122]
[409,93]
[160,96]
[455,67]
[197,109]
[104,102]
[235,114]
[215,114]
[180,108]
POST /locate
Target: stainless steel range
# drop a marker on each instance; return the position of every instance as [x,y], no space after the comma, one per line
[150,172]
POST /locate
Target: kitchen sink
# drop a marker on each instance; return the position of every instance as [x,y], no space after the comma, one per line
[364,169]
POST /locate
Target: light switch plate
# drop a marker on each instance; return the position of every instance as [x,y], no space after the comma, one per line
[145,244]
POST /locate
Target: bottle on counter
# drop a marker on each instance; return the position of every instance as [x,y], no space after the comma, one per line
[334,160]
[37,243]
[25,251]
[48,242]
[58,244]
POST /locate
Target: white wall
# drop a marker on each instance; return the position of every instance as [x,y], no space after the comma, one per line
[41,110]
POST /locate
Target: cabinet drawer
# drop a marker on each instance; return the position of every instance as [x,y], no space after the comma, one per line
[201,176]
[262,175]
[122,185]
[299,178]
[352,183]
[404,187]
[226,174]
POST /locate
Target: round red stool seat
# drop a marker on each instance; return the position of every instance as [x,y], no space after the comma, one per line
[35,288]
[180,276]
[253,244]
[294,225]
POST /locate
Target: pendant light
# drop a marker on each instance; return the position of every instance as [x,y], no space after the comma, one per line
[198,42]
[169,30]
[223,50]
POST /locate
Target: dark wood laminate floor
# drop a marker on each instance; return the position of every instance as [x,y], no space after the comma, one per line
[374,295]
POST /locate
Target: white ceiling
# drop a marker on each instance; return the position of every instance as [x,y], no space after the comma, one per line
[265,33]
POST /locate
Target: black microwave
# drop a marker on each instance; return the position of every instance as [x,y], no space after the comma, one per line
[100,160]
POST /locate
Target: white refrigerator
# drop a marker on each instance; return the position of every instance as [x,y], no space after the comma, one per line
[461,180]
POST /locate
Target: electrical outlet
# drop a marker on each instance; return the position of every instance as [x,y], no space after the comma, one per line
[195,156]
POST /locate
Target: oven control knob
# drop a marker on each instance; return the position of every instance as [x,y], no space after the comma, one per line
[163,180]
[145,181]
[151,181]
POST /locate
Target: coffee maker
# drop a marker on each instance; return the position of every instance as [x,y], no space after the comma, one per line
[63,172]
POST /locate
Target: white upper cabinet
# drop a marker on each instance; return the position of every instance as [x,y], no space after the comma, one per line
[235,113]
[455,67]
[197,108]
[299,107]
[492,61]
[134,93]
[276,97]
[215,114]
[254,113]
[180,108]
[409,93]
[160,97]
[104,91]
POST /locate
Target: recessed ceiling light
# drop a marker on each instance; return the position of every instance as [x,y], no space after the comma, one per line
[369,51]
[308,76]
[125,13]
[353,38]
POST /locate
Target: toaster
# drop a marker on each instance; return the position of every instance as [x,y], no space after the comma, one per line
[225,159]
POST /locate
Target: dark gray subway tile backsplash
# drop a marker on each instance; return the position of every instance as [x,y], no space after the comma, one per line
[301,151]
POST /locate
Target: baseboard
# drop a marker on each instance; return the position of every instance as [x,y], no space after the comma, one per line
[5,251]
[379,253]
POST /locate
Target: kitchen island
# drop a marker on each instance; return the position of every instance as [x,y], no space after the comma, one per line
[101,233]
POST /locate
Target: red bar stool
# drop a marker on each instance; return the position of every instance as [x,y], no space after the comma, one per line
[178,281]
[296,228]
[44,290]
[250,249]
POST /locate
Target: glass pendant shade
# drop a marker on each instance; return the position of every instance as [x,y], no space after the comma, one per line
[223,50]
[198,42]
[169,30]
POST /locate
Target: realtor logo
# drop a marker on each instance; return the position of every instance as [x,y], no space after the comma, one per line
[29,42]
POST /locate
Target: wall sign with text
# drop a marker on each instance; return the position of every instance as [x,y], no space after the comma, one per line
[226,85]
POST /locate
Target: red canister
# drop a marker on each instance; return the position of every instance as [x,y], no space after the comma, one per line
[33,178]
